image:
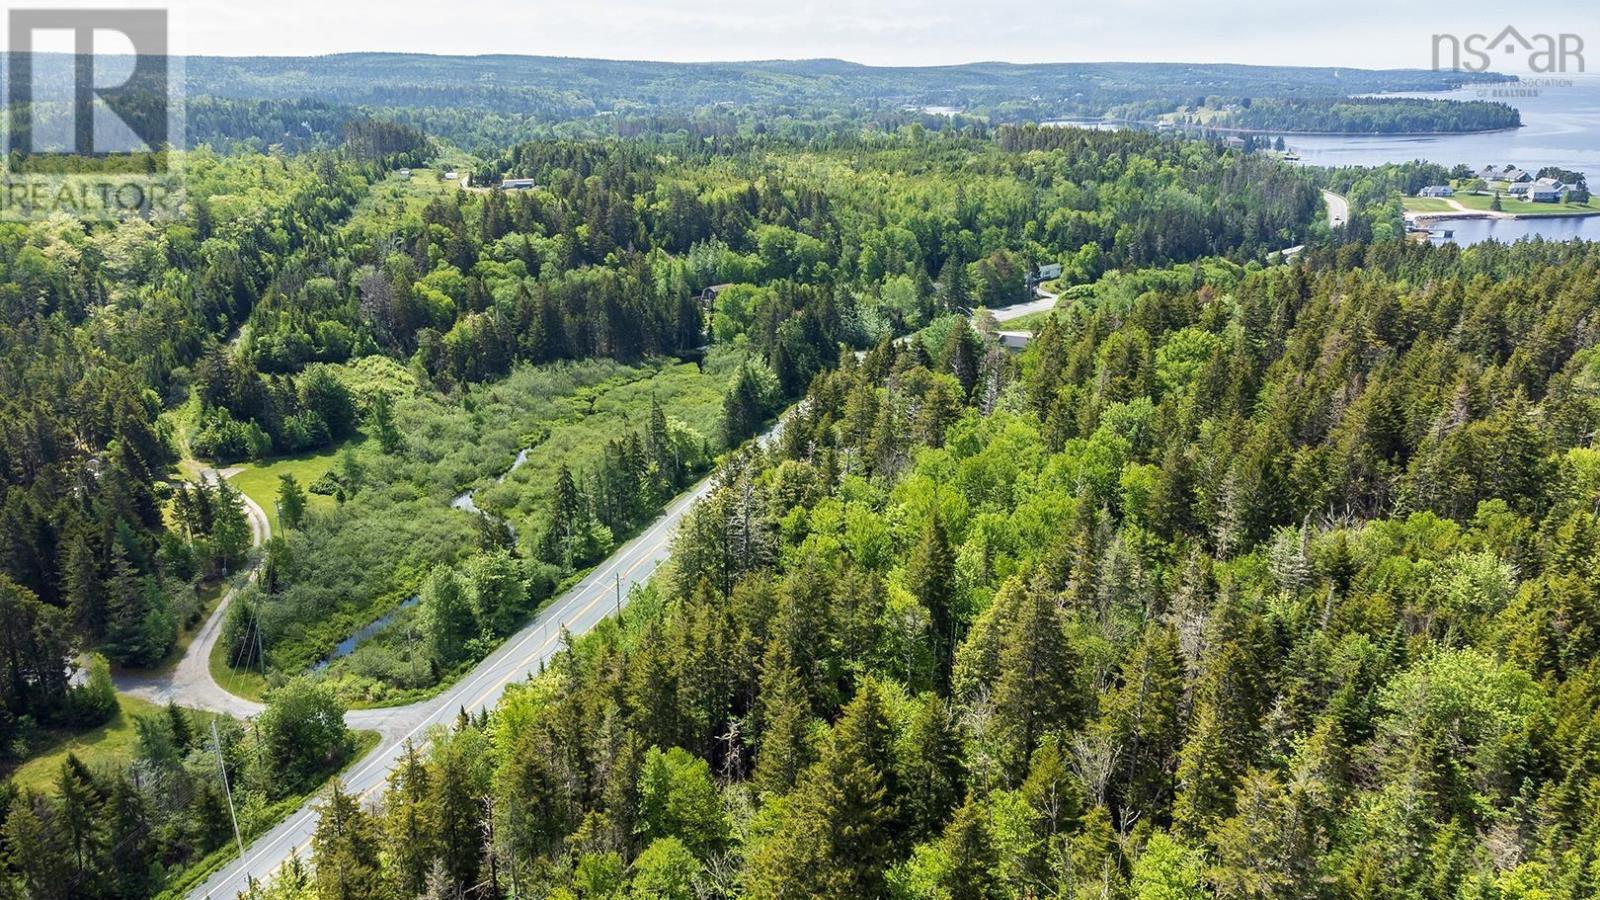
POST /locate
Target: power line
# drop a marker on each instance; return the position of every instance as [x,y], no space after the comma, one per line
[222,766]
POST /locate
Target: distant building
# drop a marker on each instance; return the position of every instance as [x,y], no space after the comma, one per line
[709,295]
[1014,341]
[1235,142]
[1516,176]
[1551,183]
[517,184]
[1049,271]
[1437,190]
[405,173]
[1541,194]
[1489,173]
[1519,190]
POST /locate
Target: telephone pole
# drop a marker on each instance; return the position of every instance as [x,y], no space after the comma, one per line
[222,766]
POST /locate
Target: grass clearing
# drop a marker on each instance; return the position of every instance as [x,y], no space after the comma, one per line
[99,747]
[1428,204]
[1030,322]
[247,683]
[259,481]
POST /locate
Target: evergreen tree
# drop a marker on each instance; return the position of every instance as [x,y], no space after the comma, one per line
[969,855]
[931,773]
[86,594]
[1037,689]
[930,576]
[837,834]
[291,501]
[408,825]
[382,413]
[345,851]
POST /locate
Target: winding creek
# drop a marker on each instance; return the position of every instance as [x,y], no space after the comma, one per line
[462,501]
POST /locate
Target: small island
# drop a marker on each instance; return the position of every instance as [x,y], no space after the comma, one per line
[1355,115]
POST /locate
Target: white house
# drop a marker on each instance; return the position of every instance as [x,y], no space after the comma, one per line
[1437,190]
[1049,271]
[517,184]
[1518,190]
[1541,194]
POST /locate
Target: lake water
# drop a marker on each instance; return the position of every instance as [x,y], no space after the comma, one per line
[1560,127]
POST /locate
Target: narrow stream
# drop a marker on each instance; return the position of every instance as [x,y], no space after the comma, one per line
[360,635]
[462,501]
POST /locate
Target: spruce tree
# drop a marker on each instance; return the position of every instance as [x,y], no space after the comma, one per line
[345,851]
[930,576]
[291,501]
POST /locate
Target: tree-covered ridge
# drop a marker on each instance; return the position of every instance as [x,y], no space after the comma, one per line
[485,103]
[1369,115]
[1250,582]
[475,100]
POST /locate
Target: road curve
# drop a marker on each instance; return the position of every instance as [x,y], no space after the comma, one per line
[600,593]
[603,591]
[190,682]
[1046,301]
[1338,209]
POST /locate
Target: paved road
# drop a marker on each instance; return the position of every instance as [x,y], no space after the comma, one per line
[578,610]
[1046,301]
[190,681]
[1338,209]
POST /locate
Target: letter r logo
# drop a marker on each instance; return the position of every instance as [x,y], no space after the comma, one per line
[80,102]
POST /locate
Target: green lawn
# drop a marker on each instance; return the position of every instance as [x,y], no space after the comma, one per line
[1507,205]
[259,481]
[105,745]
[1428,204]
[1029,322]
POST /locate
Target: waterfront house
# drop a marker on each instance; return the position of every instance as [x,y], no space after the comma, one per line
[1437,190]
[1541,194]
[1516,176]
[1519,190]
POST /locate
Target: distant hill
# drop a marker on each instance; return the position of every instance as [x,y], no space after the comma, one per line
[565,88]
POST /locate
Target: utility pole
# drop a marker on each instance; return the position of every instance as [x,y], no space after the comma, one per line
[216,744]
[619,594]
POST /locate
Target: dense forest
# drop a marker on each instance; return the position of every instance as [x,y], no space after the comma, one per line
[1368,115]
[811,248]
[1244,579]
[253,327]
[1239,583]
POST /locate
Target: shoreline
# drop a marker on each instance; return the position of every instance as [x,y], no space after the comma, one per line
[1275,132]
[1431,217]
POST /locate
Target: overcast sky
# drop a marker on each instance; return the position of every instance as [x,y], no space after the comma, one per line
[1367,33]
